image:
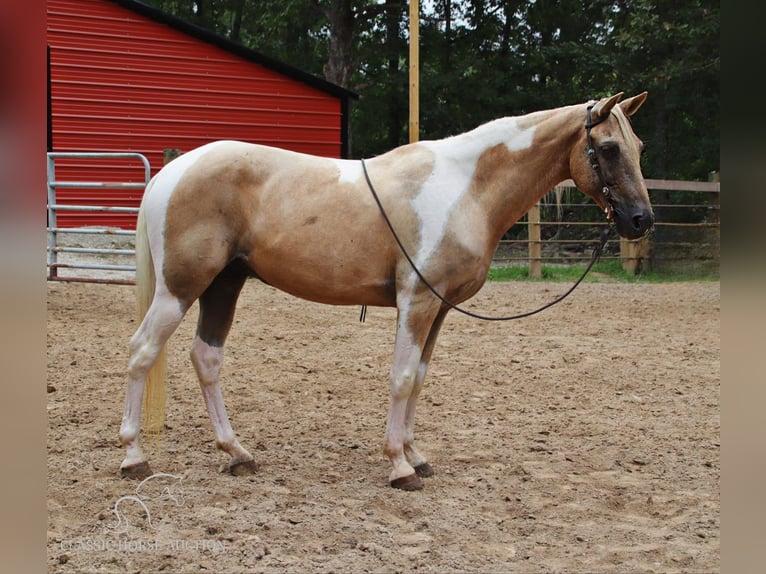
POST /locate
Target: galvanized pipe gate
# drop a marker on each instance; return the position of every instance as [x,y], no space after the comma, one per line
[54,231]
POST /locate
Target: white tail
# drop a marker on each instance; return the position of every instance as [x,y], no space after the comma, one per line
[154,390]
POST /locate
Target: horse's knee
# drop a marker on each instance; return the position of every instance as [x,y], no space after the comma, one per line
[403,384]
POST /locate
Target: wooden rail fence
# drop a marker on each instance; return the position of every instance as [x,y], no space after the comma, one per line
[687,230]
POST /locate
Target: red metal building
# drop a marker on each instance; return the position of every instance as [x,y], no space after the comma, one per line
[123,76]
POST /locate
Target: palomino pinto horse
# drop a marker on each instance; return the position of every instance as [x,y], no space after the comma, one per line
[310,226]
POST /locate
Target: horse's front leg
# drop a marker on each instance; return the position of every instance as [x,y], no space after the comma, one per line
[414,456]
[407,374]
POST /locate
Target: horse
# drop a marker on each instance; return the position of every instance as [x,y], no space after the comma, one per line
[311,227]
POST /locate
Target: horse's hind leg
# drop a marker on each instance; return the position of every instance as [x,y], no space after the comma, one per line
[217,305]
[162,318]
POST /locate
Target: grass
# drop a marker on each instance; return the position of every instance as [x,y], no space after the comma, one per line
[603,272]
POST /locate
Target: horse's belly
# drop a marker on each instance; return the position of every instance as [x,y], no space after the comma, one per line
[326,272]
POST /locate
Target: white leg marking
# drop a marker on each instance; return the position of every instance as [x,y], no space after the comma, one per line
[207,362]
[414,456]
[403,376]
[161,320]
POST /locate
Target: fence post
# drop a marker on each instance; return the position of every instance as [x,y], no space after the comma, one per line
[52,224]
[635,254]
[535,245]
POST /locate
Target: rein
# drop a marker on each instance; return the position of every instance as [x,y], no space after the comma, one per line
[594,257]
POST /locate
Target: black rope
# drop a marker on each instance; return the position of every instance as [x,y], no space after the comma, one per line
[594,257]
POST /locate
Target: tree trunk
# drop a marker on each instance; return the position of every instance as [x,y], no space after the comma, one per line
[236,25]
[340,16]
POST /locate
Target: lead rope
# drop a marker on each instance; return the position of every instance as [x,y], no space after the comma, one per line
[594,257]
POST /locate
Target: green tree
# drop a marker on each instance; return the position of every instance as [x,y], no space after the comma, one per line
[671,49]
[482,59]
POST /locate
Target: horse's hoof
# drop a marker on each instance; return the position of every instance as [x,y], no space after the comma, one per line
[409,483]
[424,470]
[136,471]
[243,468]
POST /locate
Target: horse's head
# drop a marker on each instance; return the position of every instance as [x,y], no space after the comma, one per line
[605,164]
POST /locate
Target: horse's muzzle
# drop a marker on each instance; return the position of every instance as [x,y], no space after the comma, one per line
[635,223]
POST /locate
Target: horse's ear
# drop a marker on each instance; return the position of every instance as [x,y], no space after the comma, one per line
[631,105]
[604,106]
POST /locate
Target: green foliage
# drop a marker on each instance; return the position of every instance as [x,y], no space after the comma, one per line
[482,59]
[672,50]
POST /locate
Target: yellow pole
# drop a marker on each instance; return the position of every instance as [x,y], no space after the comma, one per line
[414,125]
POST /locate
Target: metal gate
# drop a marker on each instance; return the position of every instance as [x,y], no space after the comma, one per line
[87,260]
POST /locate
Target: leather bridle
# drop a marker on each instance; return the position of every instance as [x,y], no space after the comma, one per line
[593,158]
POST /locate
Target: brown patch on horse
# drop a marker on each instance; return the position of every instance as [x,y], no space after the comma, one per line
[218,303]
[206,223]
[493,178]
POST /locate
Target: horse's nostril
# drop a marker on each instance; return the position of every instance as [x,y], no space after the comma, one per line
[642,221]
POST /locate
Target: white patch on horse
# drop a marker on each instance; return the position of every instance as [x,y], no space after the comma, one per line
[350,171]
[455,164]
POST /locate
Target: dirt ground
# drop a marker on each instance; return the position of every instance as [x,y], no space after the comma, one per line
[586,438]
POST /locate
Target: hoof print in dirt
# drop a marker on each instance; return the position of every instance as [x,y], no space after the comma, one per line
[136,471]
[244,468]
[424,470]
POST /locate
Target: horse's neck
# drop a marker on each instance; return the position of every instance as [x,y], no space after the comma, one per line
[518,160]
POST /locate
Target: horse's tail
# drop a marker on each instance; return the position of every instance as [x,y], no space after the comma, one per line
[154,389]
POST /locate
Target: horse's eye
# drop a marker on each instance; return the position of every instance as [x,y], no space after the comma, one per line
[609,149]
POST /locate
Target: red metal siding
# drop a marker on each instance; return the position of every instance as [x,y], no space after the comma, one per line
[120,81]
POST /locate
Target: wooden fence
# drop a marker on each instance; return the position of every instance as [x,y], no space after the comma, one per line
[565,227]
